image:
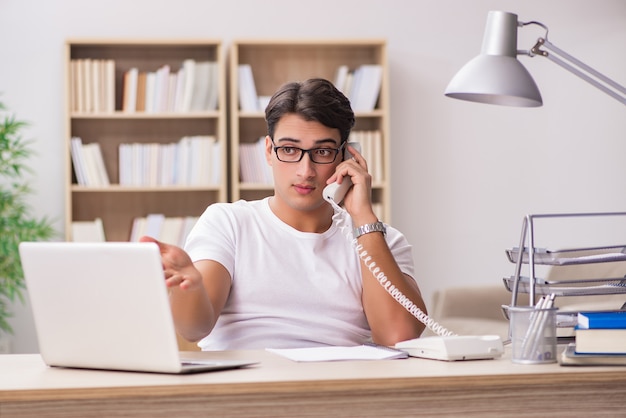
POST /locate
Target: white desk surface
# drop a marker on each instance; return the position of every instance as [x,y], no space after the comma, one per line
[25,379]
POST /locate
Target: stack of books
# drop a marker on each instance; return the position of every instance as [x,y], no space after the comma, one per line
[600,340]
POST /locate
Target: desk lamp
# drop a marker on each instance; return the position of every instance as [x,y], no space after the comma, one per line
[497,77]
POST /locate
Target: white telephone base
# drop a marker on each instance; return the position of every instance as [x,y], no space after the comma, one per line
[453,348]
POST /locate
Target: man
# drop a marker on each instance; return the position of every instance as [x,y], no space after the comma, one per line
[280,272]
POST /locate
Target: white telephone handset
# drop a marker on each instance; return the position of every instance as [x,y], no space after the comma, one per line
[335,192]
[446,345]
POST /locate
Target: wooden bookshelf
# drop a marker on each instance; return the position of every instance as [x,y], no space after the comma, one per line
[117,205]
[275,62]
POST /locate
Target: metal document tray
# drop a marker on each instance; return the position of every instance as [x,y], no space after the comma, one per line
[567,257]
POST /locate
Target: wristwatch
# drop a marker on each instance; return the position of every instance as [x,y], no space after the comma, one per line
[367,228]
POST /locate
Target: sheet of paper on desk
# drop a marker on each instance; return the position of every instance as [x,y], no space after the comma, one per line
[359,352]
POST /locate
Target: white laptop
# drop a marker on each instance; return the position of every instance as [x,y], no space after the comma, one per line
[105,306]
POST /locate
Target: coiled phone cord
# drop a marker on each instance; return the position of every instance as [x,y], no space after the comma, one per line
[381,278]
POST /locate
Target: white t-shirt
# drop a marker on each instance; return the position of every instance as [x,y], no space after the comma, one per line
[289,288]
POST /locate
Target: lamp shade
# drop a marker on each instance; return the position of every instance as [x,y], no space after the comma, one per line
[496,76]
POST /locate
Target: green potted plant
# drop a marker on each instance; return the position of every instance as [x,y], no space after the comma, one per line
[17,224]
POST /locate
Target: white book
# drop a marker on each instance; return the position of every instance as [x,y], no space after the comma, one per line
[216,164]
[162,89]
[136,166]
[138,229]
[189,67]
[88,231]
[248,98]
[265,172]
[377,154]
[214,85]
[246,171]
[367,87]
[188,224]
[130,90]
[91,165]
[206,160]
[179,90]
[87,85]
[124,165]
[76,151]
[78,85]
[171,230]
[103,176]
[73,87]
[95,86]
[341,75]
[183,163]
[171,92]
[167,155]
[102,86]
[355,82]
[151,86]
[152,167]
[110,86]
[154,225]
[202,80]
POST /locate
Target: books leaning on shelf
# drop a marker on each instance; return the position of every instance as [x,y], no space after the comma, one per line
[248,98]
[88,163]
[171,230]
[193,88]
[192,161]
[361,86]
[569,357]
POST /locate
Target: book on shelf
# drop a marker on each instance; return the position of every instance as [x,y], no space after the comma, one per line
[193,87]
[365,87]
[77,160]
[569,357]
[341,77]
[600,340]
[88,163]
[253,166]
[129,97]
[192,161]
[248,98]
[168,229]
[88,231]
[161,93]
[602,319]
[201,86]
[372,151]
[92,85]
[154,224]
[188,72]
[141,91]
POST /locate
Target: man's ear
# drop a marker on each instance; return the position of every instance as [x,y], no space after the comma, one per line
[268,149]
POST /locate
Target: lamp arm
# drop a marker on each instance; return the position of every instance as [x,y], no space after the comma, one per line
[610,87]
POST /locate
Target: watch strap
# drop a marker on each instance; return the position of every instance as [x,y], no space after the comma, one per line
[367,228]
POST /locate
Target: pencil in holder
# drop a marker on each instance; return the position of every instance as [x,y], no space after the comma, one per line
[533,334]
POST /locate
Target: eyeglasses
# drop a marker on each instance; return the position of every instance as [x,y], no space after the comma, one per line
[289,154]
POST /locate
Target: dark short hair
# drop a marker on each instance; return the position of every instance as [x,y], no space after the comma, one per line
[315,99]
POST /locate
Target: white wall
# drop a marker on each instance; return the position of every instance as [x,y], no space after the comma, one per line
[464,174]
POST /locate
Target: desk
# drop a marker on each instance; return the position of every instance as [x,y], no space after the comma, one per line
[278,387]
